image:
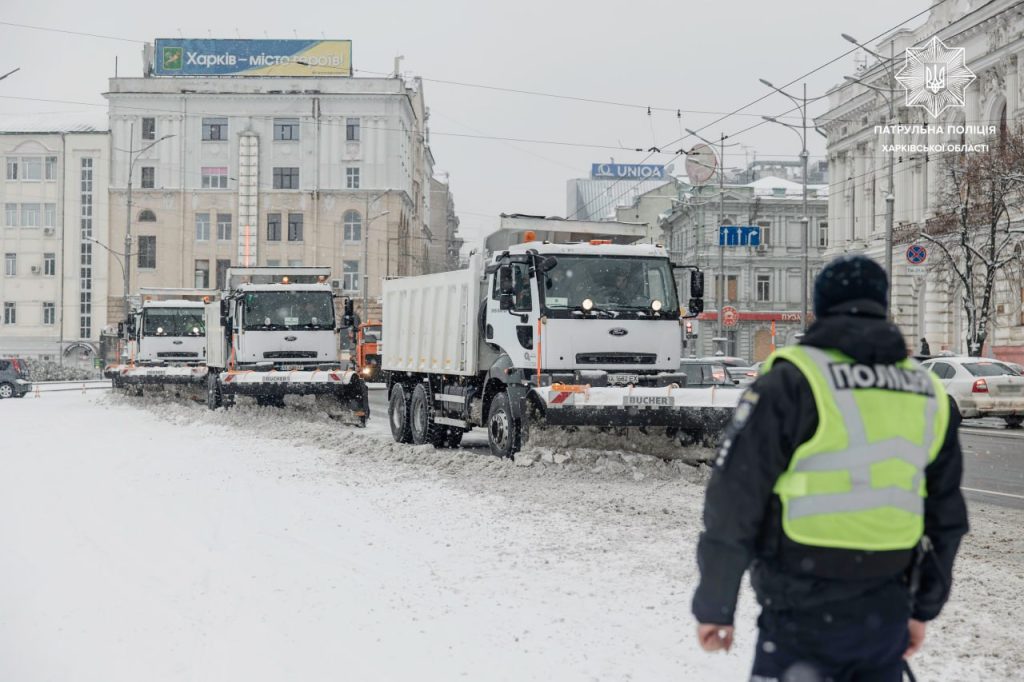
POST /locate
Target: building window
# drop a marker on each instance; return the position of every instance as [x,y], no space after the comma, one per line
[147,252]
[10,314]
[148,128]
[30,215]
[273,262]
[764,288]
[215,129]
[148,177]
[286,178]
[823,233]
[147,216]
[215,177]
[50,168]
[273,227]
[85,270]
[31,168]
[10,264]
[202,227]
[295,262]
[352,178]
[286,129]
[223,227]
[766,232]
[353,226]
[731,286]
[202,274]
[352,129]
[350,275]
[49,215]
[222,273]
[12,168]
[49,313]
[49,264]
[11,215]
[295,227]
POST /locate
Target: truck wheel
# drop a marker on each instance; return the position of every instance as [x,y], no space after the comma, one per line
[421,418]
[6,390]
[214,397]
[398,415]
[503,431]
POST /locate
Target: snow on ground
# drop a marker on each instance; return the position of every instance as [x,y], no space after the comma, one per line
[153,540]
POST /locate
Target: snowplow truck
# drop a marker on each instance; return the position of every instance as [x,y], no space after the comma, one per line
[275,333]
[368,348]
[539,334]
[164,343]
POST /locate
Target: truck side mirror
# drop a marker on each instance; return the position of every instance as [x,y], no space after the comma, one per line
[348,313]
[225,308]
[120,329]
[547,264]
[696,284]
[695,306]
[505,301]
[505,285]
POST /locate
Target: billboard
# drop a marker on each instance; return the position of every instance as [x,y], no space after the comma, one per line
[635,171]
[206,57]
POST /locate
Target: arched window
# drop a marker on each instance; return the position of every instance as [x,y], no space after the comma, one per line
[147,216]
[353,226]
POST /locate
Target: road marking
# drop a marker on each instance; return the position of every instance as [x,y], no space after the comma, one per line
[992,492]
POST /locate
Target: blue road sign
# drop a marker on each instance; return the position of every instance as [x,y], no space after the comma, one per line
[739,235]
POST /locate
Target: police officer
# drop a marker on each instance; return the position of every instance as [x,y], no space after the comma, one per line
[838,485]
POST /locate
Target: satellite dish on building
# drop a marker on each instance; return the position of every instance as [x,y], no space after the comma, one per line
[701,163]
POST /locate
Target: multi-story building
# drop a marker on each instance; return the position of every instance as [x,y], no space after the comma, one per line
[925,305]
[269,170]
[611,186]
[444,226]
[55,279]
[762,283]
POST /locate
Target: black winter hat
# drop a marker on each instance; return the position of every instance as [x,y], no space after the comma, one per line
[851,278]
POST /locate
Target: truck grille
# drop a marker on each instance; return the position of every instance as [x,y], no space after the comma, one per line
[177,354]
[616,358]
[284,354]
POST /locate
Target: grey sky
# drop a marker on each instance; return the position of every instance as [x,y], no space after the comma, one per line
[693,56]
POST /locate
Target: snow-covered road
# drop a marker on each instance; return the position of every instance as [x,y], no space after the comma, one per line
[158,541]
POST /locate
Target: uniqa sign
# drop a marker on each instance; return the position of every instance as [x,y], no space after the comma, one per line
[634,171]
[202,57]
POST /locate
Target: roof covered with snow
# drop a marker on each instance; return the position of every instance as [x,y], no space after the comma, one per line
[780,187]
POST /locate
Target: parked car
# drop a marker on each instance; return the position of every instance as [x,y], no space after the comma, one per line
[727,360]
[982,387]
[14,381]
[705,373]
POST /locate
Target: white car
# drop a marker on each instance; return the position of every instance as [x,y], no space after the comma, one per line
[982,387]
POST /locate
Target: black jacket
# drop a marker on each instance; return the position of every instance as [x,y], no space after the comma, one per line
[742,516]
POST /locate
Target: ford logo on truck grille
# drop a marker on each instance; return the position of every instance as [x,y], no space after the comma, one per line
[291,338]
[617,331]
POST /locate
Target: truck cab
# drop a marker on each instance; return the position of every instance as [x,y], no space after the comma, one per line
[167,332]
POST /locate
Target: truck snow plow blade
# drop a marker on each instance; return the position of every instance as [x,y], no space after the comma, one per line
[695,415]
[341,392]
[141,376]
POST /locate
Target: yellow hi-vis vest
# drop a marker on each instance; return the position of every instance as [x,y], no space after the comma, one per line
[859,482]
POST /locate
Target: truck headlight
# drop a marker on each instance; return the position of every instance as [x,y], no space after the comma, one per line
[587,304]
[655,305]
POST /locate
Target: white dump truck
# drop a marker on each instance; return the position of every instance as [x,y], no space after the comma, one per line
[164,343]
[536,333]
[275,333]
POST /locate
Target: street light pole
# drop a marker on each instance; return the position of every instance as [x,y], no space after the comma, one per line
[890,197]
[132,158]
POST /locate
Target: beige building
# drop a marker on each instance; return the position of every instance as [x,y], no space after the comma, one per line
[53,289]
[291,170]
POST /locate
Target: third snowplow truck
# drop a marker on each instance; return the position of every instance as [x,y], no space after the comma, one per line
[274,333]
[538,333]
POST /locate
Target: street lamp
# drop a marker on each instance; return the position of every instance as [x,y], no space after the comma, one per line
[117,255]
[132,158]
[890,198]
[720,286]
[9,73]
[801,131]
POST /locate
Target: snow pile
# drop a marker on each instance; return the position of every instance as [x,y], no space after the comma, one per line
[44,370]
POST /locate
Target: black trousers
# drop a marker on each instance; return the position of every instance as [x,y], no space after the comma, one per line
[823,647]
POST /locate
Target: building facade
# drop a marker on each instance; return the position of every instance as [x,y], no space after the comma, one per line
[762,283]
[925,305]
[56,276]
[445,242]
[256,170]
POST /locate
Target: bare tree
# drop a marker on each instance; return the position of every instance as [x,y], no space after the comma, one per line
[978,205]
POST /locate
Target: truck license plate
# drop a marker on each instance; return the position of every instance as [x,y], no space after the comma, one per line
[648,401]
[623,379]
[157,372]
[274,379]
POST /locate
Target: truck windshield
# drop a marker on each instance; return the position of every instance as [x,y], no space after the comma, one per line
[270,310]
[173,322]
[371,334]
[614,283]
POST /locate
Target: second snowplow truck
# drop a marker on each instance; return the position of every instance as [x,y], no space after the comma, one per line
[274,333]
[537,334]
